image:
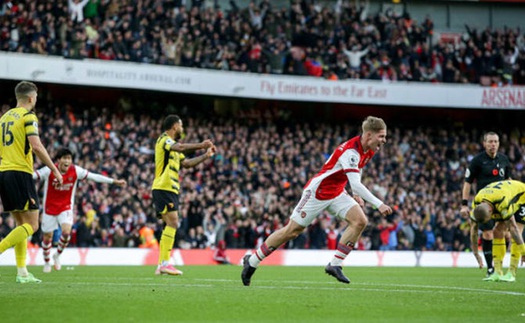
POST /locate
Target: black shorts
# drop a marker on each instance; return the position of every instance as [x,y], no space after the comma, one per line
[164,202]
[18,191]
[487,226]
[520,215]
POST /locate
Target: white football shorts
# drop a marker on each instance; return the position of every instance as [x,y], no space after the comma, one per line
[309,207]
[51,222]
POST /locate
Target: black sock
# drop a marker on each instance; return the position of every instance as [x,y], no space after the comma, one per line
[487,252]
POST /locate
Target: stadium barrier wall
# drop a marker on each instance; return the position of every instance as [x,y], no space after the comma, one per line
[140,257]
[89,72]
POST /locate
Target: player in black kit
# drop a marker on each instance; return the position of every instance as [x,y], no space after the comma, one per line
[485,168]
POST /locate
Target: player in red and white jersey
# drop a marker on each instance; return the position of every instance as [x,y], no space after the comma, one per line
[326,191]
[59,201]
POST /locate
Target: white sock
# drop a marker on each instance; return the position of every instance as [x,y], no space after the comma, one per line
[22,271]
[254,261]
[336,261]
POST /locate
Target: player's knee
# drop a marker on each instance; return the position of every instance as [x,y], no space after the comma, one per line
[361,222]
[293,232]
[357,218]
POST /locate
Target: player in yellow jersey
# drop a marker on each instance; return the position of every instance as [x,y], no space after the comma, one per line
[18,139]
[503,202]
[169,157]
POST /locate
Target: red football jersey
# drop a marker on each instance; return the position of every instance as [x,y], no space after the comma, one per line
[332,179]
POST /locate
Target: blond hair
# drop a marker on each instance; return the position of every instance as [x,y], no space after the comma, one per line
[373,124]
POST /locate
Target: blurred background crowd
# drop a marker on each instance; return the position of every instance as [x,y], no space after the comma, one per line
[335,40]
[250,187]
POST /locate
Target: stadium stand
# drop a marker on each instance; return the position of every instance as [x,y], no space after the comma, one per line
[341,41]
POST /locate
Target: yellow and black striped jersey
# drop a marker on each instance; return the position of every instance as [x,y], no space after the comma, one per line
[506,196]
[15,151]
[167,165]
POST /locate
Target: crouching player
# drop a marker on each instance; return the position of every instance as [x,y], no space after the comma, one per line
[504,202]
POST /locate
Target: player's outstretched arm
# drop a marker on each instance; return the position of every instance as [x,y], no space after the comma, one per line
[42,174]
[180,147]
[192,162]
[120,182]
[99,178]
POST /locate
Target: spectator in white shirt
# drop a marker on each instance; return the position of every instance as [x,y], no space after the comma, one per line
[76,8]
[354,56]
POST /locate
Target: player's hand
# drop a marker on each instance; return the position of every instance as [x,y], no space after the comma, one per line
[480,261]
[359,200]
[120,182]
[211,151]
[464,211]
[58,180]
[385,209]
[207,144]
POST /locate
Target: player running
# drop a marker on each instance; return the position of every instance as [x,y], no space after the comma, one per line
[59,202]
[326,191]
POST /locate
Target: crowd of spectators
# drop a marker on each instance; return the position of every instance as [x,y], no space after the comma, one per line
[253,183]
[344,40]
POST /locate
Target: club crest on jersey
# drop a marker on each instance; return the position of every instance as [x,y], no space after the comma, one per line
[303,214]
[502,172]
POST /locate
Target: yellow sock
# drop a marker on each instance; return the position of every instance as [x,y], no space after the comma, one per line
[21,253]
[20,233]
[166,243]
[514,258]
[499,248]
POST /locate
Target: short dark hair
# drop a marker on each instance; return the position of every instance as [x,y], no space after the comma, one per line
[169,121]
[490,133]
[23,89]
[481,212]
[64,152]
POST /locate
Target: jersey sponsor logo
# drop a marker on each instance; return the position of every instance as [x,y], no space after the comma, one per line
[65,187]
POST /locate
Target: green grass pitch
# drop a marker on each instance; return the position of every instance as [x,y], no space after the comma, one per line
[278,294]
